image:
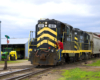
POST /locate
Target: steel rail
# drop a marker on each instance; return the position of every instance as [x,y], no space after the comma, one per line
[27,75]
[8,73]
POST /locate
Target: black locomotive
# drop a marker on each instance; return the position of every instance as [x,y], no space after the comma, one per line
[78,44]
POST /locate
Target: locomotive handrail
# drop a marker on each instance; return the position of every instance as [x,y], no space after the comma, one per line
[28,45]
[63,36]
[79,44]
[31,39]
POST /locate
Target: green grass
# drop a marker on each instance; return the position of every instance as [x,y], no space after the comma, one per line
[24,59]
[11,62]
[97,63]
[78,74]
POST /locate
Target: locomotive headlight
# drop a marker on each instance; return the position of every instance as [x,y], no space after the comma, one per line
[45,22]
[45,25]
[52,50]
[34,49]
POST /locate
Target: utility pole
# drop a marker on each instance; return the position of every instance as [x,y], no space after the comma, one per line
[0,40]
[5,66]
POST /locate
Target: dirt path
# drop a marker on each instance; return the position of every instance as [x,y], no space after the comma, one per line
[55,74]
[20,64]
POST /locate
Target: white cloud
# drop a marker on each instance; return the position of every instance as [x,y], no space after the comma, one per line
[93,29]
[33,11]
[23,14]
[30,10]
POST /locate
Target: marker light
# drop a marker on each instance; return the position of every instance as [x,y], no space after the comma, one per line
[45,22]
[38,49]
[48,47]
[34,49]
[45,25]
[52,50]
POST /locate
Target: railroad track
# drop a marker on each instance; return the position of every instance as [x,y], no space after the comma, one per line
[30,72]
[11,68]
[20,74]
[9,74]
[27,72]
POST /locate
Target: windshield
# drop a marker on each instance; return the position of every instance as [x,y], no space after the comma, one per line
[52,26]
[40,25]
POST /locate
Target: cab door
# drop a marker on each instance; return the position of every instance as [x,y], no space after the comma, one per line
[67,38]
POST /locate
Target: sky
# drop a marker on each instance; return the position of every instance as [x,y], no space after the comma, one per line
[19,17]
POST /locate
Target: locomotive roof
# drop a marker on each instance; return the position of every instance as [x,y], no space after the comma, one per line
[54,20]
[60,22]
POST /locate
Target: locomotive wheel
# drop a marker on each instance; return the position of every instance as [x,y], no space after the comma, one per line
[76,57]
[89,55]
[66,60]
[37,66]
[71,59]
[66,57]
[83,56]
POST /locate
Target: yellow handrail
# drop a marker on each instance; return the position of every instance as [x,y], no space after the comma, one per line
[28,45]
[63,36]
[29,41]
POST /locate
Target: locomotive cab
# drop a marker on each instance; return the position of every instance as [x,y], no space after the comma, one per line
[61,29]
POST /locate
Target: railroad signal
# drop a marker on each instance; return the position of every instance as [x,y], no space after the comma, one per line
[7,36]
[7,41]
[5,66]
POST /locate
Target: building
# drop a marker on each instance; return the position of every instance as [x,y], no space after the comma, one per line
[0,40]
[18,44]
